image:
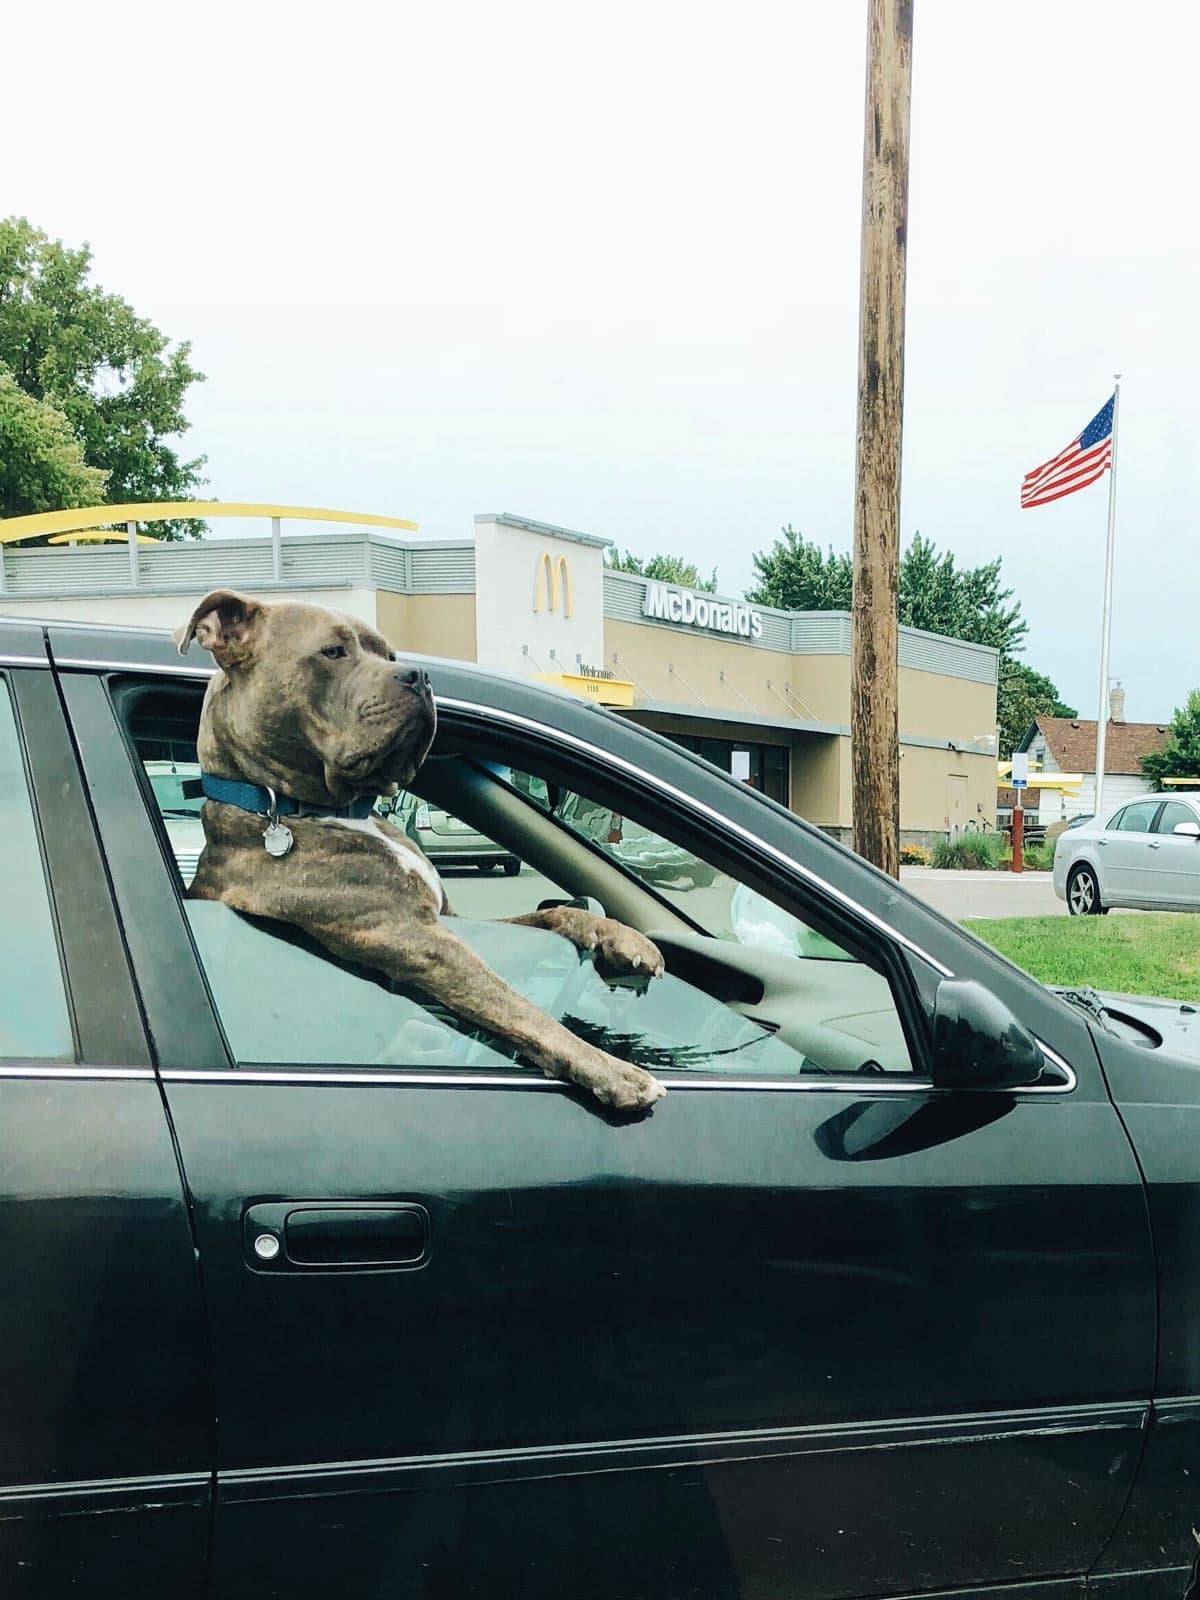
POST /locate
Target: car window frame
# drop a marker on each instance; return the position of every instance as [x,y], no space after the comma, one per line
[174,993]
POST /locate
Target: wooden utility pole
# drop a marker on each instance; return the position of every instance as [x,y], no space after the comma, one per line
[874,713]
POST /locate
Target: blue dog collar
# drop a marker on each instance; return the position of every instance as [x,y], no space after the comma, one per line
[266,803]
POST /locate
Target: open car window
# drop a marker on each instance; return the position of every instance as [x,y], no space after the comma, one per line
[751,990]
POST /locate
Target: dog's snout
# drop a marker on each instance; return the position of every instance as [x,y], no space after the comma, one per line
[413,678]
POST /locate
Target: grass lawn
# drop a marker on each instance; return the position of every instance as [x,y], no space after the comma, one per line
[1156,954]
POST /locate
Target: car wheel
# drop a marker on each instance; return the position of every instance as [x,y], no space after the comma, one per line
[1083,894]
[512,867]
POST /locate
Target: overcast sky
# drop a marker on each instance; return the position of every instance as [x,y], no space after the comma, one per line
[599,266]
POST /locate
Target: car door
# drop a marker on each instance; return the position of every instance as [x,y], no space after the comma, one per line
[796,1333]
[1175,857]
[1127,857]
[105,1394]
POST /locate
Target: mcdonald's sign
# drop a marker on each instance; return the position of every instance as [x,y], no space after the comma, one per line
[549,573]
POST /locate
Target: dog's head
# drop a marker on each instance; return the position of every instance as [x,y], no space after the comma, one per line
[308,701]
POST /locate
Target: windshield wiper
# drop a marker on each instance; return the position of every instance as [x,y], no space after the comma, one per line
[1087,1000]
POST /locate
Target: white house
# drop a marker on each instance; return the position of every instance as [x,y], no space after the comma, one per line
[1068,744]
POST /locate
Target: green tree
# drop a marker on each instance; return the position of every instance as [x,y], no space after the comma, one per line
[960,602]
[1181,756]
[796,575]
[1021,695]
[935,593]
[662,568]
[41,461]
[86,353]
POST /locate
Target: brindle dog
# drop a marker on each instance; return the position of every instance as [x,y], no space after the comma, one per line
[312,705]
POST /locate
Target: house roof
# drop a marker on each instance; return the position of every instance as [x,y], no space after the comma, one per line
[1072,743]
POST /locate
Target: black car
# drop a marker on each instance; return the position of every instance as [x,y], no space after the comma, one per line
[308,1290]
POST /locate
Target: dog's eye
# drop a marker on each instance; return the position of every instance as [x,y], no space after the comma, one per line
[335,652]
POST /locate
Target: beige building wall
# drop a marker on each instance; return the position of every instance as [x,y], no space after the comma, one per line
[647,654]
[934,706]
[821,779]
[942,790]
[822,684]
[429,624]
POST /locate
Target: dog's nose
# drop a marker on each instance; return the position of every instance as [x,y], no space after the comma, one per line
[413,678]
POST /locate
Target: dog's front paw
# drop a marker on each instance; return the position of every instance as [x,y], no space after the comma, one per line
[626,950]
[625,1087]
[614,1083]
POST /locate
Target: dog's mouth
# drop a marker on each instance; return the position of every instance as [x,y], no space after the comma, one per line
[394,762]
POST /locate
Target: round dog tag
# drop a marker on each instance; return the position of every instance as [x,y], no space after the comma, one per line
[277,840]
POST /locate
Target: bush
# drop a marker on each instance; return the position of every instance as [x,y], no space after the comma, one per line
[1039,857]
[914,855]
[970,852]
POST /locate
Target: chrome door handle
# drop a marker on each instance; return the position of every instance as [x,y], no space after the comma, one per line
[1156,844]
[1103,843]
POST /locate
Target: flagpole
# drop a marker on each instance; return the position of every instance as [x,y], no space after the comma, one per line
[1106,625]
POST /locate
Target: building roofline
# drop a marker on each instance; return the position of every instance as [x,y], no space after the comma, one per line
[508,519]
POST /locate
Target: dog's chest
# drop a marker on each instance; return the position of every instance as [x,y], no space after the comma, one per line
[410,860]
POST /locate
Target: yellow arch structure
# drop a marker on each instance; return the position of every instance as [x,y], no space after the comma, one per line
[13,529]
[548,571]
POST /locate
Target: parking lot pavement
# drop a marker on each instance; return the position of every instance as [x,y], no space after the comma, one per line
[985,894]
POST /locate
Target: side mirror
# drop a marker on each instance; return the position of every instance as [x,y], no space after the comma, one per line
[978,1043]
[1187,830]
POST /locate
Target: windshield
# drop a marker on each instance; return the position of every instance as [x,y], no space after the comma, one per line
[713,901]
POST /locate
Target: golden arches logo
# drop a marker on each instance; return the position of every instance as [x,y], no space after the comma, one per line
[548,572]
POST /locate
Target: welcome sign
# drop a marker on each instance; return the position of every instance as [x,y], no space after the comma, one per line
[666,602]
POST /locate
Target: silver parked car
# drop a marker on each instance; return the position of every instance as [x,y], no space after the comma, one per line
[447,840]
[1145,854]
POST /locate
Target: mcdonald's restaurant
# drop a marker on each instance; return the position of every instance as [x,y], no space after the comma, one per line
[763,693]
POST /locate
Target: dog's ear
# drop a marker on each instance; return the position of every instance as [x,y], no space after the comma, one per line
[223,622]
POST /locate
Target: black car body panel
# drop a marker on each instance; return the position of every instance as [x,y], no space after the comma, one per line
[824,1339]
[1158,1095]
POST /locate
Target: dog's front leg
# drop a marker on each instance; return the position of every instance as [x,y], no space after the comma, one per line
[622,948]
[430,956]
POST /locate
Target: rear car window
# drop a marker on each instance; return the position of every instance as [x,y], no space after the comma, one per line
[1137,819]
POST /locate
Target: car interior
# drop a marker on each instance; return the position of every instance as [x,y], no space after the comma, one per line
[750,988]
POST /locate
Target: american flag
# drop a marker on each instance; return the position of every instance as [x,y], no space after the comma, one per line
[1082,462]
